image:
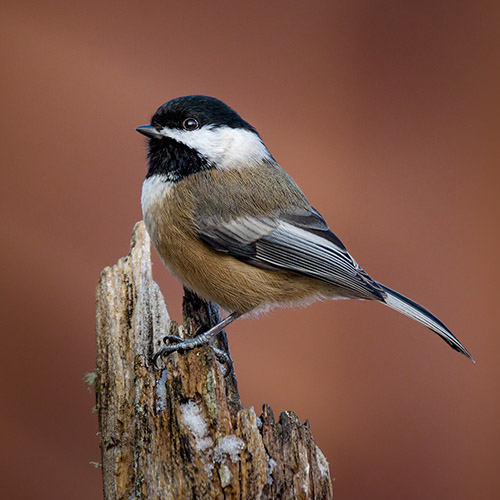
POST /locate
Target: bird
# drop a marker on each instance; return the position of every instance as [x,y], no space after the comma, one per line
[233,226]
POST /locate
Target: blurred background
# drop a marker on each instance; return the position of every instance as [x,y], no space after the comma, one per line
[386,113]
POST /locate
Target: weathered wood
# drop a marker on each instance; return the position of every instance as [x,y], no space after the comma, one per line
[181,432]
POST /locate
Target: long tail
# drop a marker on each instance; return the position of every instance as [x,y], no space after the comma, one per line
[413,310]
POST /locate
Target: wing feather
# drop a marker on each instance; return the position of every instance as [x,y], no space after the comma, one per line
[300,242]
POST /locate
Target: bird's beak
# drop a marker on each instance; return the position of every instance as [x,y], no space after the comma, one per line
[149,131]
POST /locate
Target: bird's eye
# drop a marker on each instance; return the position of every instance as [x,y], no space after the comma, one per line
[190,124]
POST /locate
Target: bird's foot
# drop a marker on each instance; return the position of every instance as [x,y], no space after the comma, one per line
[179,344]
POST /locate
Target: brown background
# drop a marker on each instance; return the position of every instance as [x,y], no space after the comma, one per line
[386,113]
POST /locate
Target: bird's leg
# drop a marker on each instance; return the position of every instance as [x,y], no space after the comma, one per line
[199,340]
[221,355]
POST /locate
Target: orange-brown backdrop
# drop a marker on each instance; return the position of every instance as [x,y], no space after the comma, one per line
[386,113]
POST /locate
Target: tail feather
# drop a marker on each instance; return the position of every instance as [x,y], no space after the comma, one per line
[406,306]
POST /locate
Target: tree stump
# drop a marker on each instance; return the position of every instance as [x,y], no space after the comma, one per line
[180,432]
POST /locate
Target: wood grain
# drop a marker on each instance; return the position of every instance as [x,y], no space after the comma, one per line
[180,432]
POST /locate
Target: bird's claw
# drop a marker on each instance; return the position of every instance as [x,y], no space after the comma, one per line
[181,344]
[224,359]
[173,338]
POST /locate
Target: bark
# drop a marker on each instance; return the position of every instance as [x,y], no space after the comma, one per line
[180,432]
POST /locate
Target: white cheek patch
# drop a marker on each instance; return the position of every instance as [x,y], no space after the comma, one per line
[224,147]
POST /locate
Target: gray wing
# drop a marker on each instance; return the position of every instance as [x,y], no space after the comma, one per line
[297,241]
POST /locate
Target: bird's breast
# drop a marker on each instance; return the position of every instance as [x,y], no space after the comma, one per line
[236,286]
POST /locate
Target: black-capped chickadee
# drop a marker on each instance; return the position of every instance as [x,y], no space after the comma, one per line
[233,226]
